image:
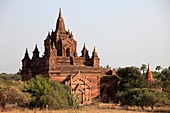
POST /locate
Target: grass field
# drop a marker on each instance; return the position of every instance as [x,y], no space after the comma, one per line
[99,108]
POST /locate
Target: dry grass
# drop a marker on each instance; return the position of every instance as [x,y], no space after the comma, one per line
[98,108]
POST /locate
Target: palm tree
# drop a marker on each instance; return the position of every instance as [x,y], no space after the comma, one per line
[143,68]
[108,67]
[158,68]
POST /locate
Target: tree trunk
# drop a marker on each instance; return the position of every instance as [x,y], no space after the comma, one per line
[3,105]
[152,107]
[142,107]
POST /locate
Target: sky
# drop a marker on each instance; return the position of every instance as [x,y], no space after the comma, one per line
[124,32]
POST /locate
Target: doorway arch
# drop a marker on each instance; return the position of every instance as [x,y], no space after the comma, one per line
[59,52]
[68,52]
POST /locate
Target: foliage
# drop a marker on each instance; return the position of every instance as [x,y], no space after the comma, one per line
[166,87]
[49,93]
[6,77]
[153,85]
[130,78]
[143,97]
[158,68]
[166,72]
[11,92]
[143,68]
[60,98]
[106,67]
[38,87]
[159,76]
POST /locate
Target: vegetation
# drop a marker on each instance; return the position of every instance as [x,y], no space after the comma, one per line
[11,92]
[49,93]
[143,68]
[131,77]
[41,93]
[158,68]
[35,93]
[135,90]
[143,97]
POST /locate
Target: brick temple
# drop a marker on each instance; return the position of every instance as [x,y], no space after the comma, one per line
[61,62]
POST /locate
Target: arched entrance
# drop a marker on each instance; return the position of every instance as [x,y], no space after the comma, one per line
[68,52]
[59,52]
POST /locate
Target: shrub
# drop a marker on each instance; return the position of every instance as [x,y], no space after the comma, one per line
[143,97]
[49,93]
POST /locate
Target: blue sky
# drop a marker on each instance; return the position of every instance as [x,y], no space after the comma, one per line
[125,32]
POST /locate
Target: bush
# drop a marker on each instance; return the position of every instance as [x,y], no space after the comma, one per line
[49,93]
[12,92]
[143,97]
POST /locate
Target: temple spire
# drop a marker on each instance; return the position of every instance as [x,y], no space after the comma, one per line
[94,50]
[149,74]
[84,46]
[85,52]
[60,15]
[60,26]
[26,54]
[95,58]
[36,52]
[94,54]
[36,48]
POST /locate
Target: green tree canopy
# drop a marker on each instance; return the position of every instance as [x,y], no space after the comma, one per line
[130,78]
[143,68]
[166,72]
[38,87]
[158,68]
[12,92]
[143,97]
[49,93]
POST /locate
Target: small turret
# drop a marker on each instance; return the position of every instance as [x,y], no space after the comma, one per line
[68,32]
[84,47]
[48,34]
[25,60]
[95,59]
[94,54]
[35,52]
[26,55]
[149,74]
[85,52]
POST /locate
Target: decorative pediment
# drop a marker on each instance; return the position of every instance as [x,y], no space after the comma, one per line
[76,76]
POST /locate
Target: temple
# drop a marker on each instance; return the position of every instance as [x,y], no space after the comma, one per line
[61,62]
[149,75]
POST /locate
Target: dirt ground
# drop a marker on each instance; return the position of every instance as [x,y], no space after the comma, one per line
[97,108]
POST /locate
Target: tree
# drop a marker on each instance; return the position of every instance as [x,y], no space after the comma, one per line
[143,68]
[143,97]
[60,98]
[166,72]
[158,68]
[52,93]
[159,76]
[130,77]
[7,77]
[12,92]
[38,87]
[106,67]
[166,87]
